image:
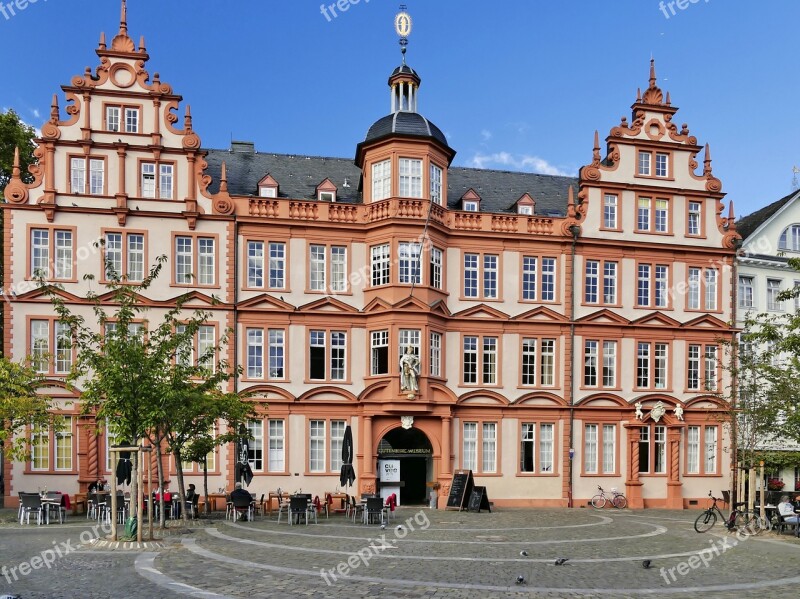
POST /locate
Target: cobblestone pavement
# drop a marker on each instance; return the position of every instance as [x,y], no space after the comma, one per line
[433,553]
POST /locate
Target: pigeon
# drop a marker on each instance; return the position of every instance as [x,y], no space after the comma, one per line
[520,579]
[399,527]
[646,564]
[523,553]
[561,561]
[383,527]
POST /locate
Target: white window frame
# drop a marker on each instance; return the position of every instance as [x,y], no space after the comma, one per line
[410,177]
[381,180]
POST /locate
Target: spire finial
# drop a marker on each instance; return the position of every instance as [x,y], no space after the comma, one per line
[15,166]
[402,25]
[54,110]
[187,119]
[141,44]
[123,19]
[707,169]
[223,178]
[731,218]
[102,40]
[652,72]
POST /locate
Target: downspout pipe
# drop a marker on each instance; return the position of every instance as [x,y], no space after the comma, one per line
[576,231]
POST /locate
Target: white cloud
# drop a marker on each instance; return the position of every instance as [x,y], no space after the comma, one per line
[36,114]
[486,134]
[521,162]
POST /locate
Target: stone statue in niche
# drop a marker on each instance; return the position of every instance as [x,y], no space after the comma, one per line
[639,414]
[409,372]
[678,412]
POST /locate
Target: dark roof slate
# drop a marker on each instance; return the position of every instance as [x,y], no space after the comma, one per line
[405,123]
[747,224]
[298,177]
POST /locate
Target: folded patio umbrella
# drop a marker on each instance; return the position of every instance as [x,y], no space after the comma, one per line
[124,468]
[347,475]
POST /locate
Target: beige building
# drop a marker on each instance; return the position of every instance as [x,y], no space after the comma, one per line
[563,332]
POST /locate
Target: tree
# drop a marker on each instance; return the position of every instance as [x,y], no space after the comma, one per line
[20,405]
[131,375]
[15,134]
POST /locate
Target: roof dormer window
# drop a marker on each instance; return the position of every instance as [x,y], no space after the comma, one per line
[326,191]
[469,206]
[268,187]
[471,201]
[523,209]
[525,204]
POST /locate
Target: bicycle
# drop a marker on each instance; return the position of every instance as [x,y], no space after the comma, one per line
[739,520]
[618,500]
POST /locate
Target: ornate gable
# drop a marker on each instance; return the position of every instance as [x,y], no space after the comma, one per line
[481,311]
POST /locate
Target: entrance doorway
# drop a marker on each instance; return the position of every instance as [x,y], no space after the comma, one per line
[412,449]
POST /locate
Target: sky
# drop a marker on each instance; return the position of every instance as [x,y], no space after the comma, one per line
[514,84]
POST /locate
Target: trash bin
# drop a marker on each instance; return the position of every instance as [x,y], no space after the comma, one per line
[434,499]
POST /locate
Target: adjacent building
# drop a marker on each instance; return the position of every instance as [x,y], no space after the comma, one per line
[561,332]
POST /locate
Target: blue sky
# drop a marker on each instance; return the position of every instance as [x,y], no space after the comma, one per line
[515,84]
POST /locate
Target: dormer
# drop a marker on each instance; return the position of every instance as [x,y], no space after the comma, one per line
[268,187]
[471,201]
[525,205]
[326,191]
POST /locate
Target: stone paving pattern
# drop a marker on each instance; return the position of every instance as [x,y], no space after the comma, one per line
[445,554]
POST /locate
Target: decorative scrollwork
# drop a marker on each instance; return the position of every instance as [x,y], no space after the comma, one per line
[16,192]
[191,141]
[50,131]
[223,205]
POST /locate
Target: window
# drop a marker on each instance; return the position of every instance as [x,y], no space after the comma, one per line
[538,275]
[57,243]
[268,192]
[157,180]
[527,462]
[436,354]
[653,449]
[409,263]
[44,335]
[591,376]
[525,209]
[610,211]
[599,449]
[337,435]
[546,447]
[542,371]
[790,239]
[436,184]
[124,256]
[276,457]
[410,178]
[255,353]
[40,448]
[710,371]
[694,222]
[255,445]
[406,338]
[255,264]
[651,365]
[474,265]
[773,289]
[327,363]
[652,215]
[592,282]
[489,462]
[327,196]
[487,444]
[317,268]
[435,275]
[488,362]
[469,206]
[746,294]
[276,354]
[705,454]
[381,180]
[703,292]
[131,122]
[702,367]
[185,249]
[644,163]
[63,449]
[316,448]
[381,275]
[662,164]
[652,290]
[380,352]
[94,184]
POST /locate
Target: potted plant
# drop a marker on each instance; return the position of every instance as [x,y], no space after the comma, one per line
[775,484]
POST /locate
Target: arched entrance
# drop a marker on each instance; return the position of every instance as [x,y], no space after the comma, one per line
[410,451]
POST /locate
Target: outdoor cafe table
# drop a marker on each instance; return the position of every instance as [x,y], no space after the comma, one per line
[340,496]
[213,500]
[280,498]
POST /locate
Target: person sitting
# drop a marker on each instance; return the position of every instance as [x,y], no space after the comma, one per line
[190,492]
[242,496]
[786,510]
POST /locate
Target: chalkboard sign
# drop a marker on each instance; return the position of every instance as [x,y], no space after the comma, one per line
[460,488]
[478,500]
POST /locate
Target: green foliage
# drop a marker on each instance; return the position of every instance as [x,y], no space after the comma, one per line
[20,405]
[15,134]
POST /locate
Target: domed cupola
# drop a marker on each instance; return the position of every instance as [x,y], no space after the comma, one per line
[404,137]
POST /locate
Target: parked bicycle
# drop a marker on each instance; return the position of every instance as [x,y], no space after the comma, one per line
[618,500]
[741,521]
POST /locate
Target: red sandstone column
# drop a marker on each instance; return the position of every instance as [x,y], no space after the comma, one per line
[633,486]
[674,494]
[367,475]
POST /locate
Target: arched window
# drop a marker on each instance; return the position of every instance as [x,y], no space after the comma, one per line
[790,239]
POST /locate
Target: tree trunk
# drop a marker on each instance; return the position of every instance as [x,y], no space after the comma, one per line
[205,484]
[181,494]
[135,499]
[160,473]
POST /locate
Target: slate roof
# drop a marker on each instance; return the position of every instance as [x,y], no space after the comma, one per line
[298,177]
[747,224]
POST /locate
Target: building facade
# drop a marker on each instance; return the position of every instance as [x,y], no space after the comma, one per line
[557,333]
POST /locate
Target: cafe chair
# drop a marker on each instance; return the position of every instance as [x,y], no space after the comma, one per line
[356,509]
[30,503]
[260,507]
[192,505]
[243,506]
[298,506]
[54,503]
[374,510]
[228,507]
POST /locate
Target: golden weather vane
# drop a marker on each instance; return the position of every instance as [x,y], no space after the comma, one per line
[402,25]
